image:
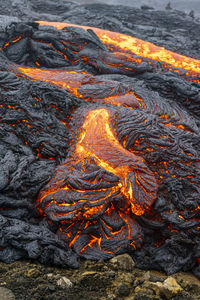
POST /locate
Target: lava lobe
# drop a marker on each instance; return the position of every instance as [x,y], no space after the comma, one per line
[89,191]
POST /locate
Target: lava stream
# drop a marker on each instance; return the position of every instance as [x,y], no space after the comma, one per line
[139,47]
[97,140]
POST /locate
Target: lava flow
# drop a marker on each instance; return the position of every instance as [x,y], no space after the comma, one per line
[109,140]
[73,82]
[128,177]
[121,42]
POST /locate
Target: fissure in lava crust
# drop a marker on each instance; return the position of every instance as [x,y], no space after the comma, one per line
[96,162]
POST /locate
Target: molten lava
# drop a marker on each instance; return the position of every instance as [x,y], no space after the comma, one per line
[98,141]
[69,80]
[73,81]
[122,42]
[132,179]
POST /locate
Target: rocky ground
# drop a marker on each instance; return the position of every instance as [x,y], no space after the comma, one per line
[114,279]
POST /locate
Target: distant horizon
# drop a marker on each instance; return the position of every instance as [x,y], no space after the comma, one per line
[182,5]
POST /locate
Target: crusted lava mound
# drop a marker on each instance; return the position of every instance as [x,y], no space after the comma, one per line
[99,148]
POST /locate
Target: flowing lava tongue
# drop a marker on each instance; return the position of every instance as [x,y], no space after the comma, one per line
[97,140]
[123,42]
[130,185]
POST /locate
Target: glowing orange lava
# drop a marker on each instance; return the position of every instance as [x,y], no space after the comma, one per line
[72,81]
[75,194]
[69,80]
[139,47]
[98,141]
